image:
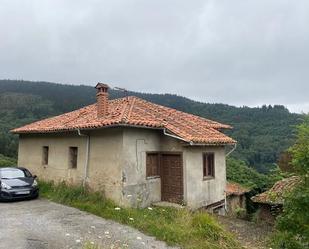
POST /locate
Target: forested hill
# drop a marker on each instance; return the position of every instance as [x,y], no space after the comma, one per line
[262,133]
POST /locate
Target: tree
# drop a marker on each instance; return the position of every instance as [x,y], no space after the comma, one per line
[293,225]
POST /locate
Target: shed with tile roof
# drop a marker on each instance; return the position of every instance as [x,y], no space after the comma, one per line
[271,201]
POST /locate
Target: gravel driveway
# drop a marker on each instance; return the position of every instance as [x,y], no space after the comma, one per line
[41,224]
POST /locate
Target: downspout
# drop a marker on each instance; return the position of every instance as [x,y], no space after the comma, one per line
[225,201]
[234,148]
[87,156]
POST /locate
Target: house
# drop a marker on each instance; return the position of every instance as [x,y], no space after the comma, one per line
[270,202]
[133,151]
[235,197]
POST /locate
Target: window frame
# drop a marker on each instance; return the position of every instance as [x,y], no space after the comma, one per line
[158,168]
[209,166]
[45,155]
[73,157]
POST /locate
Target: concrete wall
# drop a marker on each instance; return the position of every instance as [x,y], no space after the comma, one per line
[137,189]
[203,192]
[235,202]
[140,191]
[117,164]
[104,173]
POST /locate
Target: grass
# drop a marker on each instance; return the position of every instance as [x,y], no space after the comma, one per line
[189,230]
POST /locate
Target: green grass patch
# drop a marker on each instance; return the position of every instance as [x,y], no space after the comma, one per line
[190,230]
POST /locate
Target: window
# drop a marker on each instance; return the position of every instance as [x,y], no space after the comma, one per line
[208,165]
[73,151]
[152,165]
[45,151]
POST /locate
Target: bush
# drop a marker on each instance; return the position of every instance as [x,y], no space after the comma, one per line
[7,161]
[240,212]
[292,229]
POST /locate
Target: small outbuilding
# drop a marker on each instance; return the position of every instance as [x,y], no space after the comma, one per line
[235,197]
[271,202]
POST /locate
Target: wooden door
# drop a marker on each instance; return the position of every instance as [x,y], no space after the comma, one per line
[171,178]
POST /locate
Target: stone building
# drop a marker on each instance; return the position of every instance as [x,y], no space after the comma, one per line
[235,197]
[271,202]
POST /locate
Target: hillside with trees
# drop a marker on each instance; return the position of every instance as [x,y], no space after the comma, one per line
[262,132]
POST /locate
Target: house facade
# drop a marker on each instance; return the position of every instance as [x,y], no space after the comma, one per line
[133,151]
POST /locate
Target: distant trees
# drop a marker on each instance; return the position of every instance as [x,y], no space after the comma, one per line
[237,171]
[262,133]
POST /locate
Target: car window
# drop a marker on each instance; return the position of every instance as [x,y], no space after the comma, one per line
[12,173]
[27,173]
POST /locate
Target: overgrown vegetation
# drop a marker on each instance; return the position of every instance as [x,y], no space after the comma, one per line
[292,227]
[262,133]
[7,161]
[175,226]
[237,171]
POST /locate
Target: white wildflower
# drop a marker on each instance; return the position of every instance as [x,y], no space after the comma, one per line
[149,208]
[117,208]
[131,219]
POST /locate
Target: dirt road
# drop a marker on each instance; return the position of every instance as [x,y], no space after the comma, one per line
[41,224]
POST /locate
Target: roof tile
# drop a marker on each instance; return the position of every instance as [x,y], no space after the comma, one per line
[235,189]
[275,195]
[136,112]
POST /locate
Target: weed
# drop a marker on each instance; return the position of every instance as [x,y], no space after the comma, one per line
[190,230]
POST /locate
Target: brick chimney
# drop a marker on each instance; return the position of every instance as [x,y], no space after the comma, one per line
[102,100]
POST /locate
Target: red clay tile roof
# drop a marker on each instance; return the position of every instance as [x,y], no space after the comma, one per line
[275,195]
[133,111]
[235,189]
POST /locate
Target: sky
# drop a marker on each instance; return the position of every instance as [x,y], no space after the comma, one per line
[240,52]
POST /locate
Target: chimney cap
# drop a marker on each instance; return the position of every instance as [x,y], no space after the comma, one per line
[101,85]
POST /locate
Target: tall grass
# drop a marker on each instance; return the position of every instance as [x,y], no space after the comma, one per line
[190,230]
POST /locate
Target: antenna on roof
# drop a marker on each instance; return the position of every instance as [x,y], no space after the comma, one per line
[125,91]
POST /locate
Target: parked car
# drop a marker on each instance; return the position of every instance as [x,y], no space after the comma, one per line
[17,183]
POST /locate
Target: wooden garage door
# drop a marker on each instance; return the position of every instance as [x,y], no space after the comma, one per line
[171,178]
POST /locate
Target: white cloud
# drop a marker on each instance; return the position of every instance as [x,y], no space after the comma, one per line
[235,52]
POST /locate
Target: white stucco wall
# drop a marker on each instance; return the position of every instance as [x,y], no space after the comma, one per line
[117,164]
[198,192]
[202,192]
[137,189]
[104,173]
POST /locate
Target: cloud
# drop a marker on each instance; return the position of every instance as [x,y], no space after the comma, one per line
[235,52]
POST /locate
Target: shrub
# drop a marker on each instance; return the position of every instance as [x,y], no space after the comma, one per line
[240,213]
[7,161]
